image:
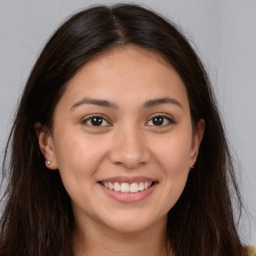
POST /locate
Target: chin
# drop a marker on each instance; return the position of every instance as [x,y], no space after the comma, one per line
[136,223]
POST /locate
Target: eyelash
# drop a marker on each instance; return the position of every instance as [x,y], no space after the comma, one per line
[90,119]
[166,120]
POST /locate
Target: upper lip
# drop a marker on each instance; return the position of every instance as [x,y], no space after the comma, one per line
[129,180]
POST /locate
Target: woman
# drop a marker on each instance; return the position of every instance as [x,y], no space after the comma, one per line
[118,147]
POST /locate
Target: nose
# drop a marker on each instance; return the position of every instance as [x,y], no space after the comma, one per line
[129,149]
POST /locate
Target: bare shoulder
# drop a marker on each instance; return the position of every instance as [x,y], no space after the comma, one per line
[251,250]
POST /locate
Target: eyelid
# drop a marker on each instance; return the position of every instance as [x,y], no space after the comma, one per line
[91,116]
[166,116]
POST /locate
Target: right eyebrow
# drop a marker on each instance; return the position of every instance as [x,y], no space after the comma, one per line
[97,102]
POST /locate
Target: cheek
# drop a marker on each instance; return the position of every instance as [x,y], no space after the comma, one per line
[175,164]
[75,149]
[173,156]
[173,153]
[78,159]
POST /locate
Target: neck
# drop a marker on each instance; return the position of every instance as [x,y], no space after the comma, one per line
[99,241]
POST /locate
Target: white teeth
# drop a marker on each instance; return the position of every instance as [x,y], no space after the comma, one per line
[134,188]
[126,188]
[141,186]
[117,187]
[110,186]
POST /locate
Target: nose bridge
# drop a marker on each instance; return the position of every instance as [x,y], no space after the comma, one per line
[129,147]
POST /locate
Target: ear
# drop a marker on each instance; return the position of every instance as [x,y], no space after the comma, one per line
[46,145]
[196,141]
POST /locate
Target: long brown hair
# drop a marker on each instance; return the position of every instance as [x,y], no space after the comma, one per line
[38,219]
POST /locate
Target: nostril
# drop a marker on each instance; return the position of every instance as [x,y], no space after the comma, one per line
[128,159]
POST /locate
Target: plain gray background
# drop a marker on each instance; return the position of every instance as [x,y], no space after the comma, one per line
[224,33]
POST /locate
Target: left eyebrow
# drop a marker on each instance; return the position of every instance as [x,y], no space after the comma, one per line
[167,100]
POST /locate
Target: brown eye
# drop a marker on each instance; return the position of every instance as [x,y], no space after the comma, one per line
[96,121]
[160,121]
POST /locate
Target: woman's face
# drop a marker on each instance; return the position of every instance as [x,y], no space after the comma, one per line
[122,140]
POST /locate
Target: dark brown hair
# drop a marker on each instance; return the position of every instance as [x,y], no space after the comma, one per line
[37,219]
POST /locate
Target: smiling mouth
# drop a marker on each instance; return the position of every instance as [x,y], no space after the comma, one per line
[124,187]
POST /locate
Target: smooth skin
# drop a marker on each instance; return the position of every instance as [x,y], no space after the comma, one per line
[124,114]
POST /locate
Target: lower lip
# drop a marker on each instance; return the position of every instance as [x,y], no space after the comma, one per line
[129,197]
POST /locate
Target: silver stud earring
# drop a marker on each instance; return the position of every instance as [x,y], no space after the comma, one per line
[48,162]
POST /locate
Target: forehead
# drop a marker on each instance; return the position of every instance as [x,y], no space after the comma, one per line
[123,73]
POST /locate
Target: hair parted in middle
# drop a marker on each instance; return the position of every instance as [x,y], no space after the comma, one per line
[38,213]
